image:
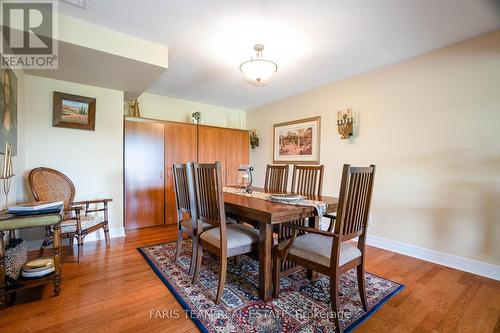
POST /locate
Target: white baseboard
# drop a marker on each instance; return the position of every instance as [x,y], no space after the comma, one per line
[464,264]
[95,236]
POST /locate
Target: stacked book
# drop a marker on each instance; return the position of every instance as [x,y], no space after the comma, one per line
[39,207]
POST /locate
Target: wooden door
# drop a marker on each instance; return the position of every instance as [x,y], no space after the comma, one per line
[180,147]
[237,152]
[144,167]
[212,143]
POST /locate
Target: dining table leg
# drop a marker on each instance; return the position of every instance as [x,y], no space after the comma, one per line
[265,261]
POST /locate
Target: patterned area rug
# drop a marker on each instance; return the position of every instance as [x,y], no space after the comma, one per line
[303,306]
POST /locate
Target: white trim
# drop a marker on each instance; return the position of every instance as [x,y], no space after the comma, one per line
[442,258]
[95,236]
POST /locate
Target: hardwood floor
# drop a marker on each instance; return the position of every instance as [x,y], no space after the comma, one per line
[114,290]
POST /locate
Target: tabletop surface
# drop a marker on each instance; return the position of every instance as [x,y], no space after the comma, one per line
[11,221]
[273,212]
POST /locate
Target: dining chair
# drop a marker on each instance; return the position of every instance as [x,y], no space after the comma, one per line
[223,240]
[276,178]
[80,218]
[330,253]
[183,187]
[307,179]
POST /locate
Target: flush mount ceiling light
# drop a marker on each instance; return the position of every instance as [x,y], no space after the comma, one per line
[258,69]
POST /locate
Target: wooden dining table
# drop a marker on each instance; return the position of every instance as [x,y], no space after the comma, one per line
[266,214]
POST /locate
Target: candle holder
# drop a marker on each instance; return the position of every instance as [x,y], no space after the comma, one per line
[345,124]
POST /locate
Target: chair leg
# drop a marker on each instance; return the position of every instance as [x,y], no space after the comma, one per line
[237,260]
[179,244]
[106,234]
[361,285]
[199,256]
[310,274]
[71,241]
[80,247]
[193,255]
[276,275]
[334,294]
[222,279]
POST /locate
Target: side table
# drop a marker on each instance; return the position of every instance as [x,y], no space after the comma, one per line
[10,222]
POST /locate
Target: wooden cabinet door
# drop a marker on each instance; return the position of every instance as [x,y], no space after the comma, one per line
[180,147]
[229,146]
[144,167]
[212,143]
[237,153]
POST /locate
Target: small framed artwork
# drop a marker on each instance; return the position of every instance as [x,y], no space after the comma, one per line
[297,141]
[73,111]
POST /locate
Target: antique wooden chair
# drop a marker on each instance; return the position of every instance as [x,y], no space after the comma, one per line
[80,219]
[224,241]
[183,184]
[276,178]
[329,252]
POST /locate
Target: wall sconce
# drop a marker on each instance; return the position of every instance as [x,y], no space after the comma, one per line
[344,123]
[254,139]
[195,117]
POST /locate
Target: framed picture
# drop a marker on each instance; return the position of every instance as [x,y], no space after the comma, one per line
[297,141]
[73,111]
[8,109]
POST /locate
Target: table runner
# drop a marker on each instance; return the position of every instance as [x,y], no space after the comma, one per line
[320,206]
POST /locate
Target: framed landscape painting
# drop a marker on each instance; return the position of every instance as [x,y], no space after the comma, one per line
[297,141]
[73,111]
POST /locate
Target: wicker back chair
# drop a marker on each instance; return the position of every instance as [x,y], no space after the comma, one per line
[51,185]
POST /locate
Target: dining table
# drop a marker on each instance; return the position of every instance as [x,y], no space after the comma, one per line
[265,215]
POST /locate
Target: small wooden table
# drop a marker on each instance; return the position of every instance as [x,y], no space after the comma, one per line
[267,214]
[9,222]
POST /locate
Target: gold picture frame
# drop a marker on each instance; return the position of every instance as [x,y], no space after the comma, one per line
[297,141]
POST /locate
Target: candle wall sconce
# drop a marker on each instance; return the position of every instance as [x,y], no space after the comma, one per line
[344,123]
[254,139]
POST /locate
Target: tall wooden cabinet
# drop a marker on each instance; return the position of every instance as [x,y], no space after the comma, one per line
[151,147]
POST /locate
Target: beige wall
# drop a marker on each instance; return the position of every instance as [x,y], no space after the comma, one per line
[91,159]
[175,109]
[432,127]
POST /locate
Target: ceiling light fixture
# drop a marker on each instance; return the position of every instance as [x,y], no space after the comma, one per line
[258,69]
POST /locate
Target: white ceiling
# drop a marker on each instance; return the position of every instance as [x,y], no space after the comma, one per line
[313,42]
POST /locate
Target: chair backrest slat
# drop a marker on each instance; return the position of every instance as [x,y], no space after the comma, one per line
[307,179]
[276,178]
[354,201]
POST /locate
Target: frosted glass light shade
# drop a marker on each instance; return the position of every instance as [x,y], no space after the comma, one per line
[258,69]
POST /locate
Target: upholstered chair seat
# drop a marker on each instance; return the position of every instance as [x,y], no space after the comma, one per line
[86,222]
[317,248]
[237,235]
[189,225]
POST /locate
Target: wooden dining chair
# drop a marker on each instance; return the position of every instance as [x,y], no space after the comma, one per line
[183,186]
[307,179]
[80,219]
[223,240]
[329,252]
[276,178]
